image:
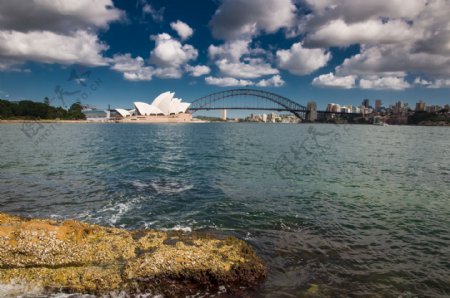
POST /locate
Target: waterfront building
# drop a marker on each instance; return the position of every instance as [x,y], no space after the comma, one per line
[312,111]
[420,106]
[94,115]
[378,104]
[164,108]
[366,102]
[223,115]
[264,117]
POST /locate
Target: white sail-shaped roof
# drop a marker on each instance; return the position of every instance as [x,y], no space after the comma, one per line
[182,107]
[145,109]
[174,106]
[124,113]
[164,104]
[162,97]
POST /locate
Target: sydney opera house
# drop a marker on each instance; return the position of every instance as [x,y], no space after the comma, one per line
[164,108]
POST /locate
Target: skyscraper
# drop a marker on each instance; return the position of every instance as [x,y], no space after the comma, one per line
[224,115]
[378,104]
[366,102]
[420,106]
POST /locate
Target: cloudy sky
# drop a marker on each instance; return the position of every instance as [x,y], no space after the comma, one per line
[117,51]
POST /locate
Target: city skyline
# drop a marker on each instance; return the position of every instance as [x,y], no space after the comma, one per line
[305,51]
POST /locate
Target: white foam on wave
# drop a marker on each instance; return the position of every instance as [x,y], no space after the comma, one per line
[178,228]
[170,187]
[17,289]
[139,184]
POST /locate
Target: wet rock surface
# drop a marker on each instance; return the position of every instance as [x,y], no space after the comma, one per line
[72,256]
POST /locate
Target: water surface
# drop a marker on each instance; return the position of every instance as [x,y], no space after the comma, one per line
[355,210]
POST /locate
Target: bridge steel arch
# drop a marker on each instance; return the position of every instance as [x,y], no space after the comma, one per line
[282,103]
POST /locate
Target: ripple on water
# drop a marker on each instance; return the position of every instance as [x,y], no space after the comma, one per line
[366,213]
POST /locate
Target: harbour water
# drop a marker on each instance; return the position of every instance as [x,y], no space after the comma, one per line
[334,209]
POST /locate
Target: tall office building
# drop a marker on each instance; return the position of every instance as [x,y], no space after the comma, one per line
[224,115]
[312,111]
[378,104]
[420,106]
[366,102]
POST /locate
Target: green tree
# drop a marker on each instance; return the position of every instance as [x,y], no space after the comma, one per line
[75,112]
[47,101]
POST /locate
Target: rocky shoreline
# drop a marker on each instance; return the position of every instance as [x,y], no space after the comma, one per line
[76,257]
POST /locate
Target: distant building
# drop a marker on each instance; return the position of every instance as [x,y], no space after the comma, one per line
[378,104]
[264,117]
[223,115]
[420,106]
[366,102]
[312,111]
[96,115]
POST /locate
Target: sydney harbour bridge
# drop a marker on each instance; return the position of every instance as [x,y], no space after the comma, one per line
[254,99]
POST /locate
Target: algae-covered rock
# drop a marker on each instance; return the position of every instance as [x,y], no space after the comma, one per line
[78,257]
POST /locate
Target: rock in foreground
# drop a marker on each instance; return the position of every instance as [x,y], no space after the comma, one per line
[78,257]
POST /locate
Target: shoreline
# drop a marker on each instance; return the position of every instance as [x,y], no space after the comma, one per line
[76,257]
[17,121]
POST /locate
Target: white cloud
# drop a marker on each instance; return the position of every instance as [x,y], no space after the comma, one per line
[235,19]
[339,33]
[80,47]
[57,16]
[54,31]
[422,82]
[330,80]
[157,15]
[440,83]
[390,83]
[169,72]
[227,82]
[198,70]
[255,68]
[275,81]
[301,61]
[133,69]
[183,30]
[397,38]
[169,52]
[359,10]
[391,60]
[232,51]
[168,61]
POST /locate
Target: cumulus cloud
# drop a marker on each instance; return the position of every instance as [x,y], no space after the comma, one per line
[57,16]
[54,31]
[157,15]
[440,83]
[254,68]
[359,10]
[339,33]
[330,80]
[396,39]
[301,61]
[183,30]
[133,69]
[275,81]
[198,70]
[227,82]
[235,19]
[168,60]
[391,83]
[232,51]
[392,60]
[169,52]
[80,47]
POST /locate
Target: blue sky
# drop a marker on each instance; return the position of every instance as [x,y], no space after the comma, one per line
[115,52]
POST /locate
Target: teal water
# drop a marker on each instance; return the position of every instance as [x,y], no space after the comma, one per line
[355,210]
